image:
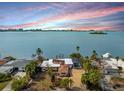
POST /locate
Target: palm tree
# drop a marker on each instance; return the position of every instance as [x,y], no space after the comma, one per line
[94,51]
[77,48]
[117,58]
[94,55]
[39,53]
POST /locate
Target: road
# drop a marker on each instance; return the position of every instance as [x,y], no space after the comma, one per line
[8,87]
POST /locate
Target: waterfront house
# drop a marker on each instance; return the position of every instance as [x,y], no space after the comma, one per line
[111,70]
[15,65]
[6,69]
[60,66]
[110,65]
[106,56]
[19,64]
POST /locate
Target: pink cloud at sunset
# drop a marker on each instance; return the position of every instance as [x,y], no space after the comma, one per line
[61,16]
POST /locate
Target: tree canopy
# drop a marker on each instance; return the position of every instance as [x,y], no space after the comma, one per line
[31,68]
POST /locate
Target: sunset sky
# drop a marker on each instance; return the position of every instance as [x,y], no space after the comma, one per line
[77,16]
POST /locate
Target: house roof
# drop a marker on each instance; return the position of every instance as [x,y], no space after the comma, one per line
[5,69]
[106,55]
[50,62]
[18,63]
[67,61]
[112,63]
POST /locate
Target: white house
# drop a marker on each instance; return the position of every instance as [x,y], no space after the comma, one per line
[106,55]
[111,64]
[60,66]
[6,69]
[56,62]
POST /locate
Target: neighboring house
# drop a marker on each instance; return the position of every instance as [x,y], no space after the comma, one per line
[110,65]
[20,64]
[6,69]
[60,66]
[16,65]
[111,70]
[106,56]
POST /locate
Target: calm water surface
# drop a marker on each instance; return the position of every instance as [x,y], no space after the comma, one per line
[24,44]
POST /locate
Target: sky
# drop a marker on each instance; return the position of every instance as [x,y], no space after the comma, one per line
[68,15]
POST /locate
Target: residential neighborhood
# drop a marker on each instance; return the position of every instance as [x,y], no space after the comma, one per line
[63,73]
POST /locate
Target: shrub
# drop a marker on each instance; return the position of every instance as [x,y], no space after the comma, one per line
[91,79]
[20,83]
[66,83]
[4,77]
[31,68]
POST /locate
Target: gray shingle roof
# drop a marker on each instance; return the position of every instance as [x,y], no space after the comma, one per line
[18,63]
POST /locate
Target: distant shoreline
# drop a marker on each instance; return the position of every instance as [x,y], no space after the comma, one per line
[91,32]
[100,33]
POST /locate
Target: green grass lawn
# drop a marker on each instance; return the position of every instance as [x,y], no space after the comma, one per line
[3,84]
